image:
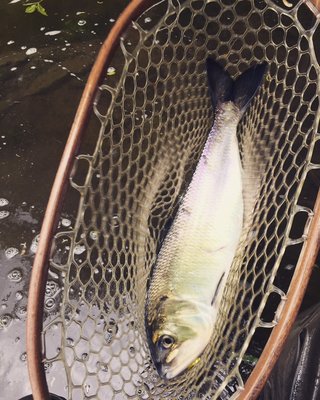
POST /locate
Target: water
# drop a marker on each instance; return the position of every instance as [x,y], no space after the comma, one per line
[44,64]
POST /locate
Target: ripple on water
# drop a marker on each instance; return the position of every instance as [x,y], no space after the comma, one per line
[51,288]
[11,252]
[49,304]
[15,275]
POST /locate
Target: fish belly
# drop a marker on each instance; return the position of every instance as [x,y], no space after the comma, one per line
[203,239]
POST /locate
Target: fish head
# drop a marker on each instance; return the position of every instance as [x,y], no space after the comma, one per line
[178,335]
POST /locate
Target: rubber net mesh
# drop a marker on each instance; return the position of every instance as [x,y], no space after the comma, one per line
[154,116]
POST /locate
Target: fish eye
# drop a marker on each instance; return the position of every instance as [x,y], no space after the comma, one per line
[166,341]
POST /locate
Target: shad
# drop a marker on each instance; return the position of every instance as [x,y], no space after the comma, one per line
[193,263]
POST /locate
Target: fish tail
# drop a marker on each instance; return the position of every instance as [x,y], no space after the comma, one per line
[223,88]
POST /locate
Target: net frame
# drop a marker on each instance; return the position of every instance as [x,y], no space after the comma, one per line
[39,272]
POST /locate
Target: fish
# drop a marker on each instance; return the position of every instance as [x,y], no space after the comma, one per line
[192,266]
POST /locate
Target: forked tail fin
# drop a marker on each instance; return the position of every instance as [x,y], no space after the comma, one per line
[223,88]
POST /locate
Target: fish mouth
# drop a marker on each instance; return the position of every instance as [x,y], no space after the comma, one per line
[164,371]
[163,368]
[168,372]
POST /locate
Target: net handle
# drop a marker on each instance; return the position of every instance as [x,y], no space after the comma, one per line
[297,288]
[40,266]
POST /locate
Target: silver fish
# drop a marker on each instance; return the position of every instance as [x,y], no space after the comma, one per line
[193,263]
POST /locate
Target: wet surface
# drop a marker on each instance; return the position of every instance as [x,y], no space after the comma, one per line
[44,64]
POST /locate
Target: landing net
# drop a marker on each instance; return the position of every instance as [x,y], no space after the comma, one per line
[154,116]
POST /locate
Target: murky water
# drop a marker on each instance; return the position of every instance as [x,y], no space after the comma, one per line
[44,64]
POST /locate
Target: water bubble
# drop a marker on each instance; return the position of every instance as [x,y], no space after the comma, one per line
[70,341]
[23,47]
[17,339]
[52,33]
[115,221]
[21,311]
[10,42]
[112,20]
[3,202]
[84,356]
[30,51]
[4,214]
[34,244]
[15,275]
[47,366]
[51,288]
[23,357]
[82,22]
[11,252]
[104,367]
[5,320]
[111,71]
[19,295]
[148,19]
[87,388]
[142,393]
[79,249]
[108,337]
[132,350]
[287,4]
[289,267]
[65,222]
[94,235]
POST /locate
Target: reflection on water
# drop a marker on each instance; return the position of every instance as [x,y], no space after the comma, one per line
[44,64]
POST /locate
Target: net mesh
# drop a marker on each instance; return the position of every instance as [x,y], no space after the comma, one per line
[154,116]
